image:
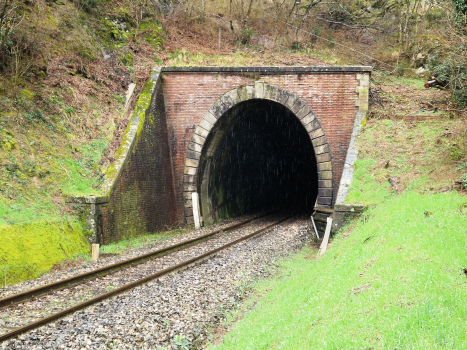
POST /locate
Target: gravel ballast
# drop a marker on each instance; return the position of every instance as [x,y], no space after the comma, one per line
[179,310]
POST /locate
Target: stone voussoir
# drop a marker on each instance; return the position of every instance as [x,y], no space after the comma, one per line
[259,89]
[316,133]
[198,139]
[210,118]
[319,141]
[201,132]
[192,162]
[190,171]
[325,166]
[205,124]
[193,154]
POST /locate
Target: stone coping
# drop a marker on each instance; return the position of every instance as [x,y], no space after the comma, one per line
[268,70]
[128,143]
[348,207]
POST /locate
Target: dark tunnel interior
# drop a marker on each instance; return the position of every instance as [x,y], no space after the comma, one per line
[257,157]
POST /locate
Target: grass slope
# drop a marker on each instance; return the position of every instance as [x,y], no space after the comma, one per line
[392,280]
[403,288]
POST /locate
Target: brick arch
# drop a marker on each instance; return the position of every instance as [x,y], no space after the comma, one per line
[260,90]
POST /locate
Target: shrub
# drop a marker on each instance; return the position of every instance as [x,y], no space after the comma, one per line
[87,5]
[452,68]
[245,35]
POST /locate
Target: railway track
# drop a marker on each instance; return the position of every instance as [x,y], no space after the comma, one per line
[53,301]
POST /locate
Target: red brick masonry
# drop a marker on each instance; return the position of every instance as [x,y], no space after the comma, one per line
[331,93]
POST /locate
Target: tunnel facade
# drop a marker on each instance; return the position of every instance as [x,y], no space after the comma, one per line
[259,147]
[243,138]
[324,100]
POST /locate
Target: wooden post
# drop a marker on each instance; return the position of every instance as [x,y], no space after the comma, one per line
[314,226]
[219,38]
[194,197]
[129,94]
[324,243]
[94,252]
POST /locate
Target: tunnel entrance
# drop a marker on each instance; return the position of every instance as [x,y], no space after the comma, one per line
[258,156]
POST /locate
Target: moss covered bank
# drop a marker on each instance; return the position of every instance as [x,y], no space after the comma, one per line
[28,250]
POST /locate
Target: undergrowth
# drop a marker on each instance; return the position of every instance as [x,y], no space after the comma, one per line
[395,155]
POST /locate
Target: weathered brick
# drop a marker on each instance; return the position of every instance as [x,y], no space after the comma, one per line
[144,189]
[331,97]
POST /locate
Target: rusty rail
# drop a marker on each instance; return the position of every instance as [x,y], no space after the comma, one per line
[119,290]
[58,285]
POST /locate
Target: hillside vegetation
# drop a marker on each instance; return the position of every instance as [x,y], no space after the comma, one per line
[65,67]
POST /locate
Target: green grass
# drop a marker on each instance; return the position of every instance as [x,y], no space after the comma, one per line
[391,280]
[403,288]
[416,83]
[81,178]
[364,189]
[65,174]
[417,156]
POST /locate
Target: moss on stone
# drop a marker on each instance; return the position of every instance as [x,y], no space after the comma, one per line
[28,250]
[7,142]
[138,119]
[126,59]
[152,33]
[113,36]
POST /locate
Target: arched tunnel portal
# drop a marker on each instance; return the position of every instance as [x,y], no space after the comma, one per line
[259,154]
[243,138]
[257,157]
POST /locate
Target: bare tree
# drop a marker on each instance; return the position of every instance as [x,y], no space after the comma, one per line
[304,17]
[9,19]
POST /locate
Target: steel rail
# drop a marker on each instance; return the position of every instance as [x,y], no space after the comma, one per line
[121,289]
[58,285]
